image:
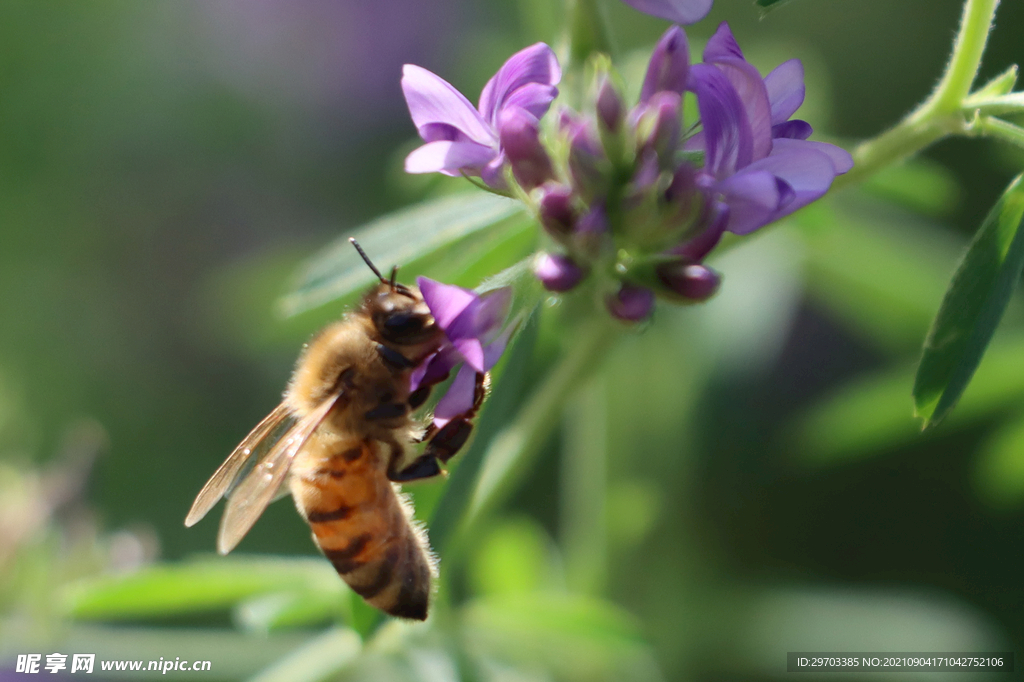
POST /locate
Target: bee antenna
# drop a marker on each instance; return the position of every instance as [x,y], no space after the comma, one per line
[394,274]
[366,259]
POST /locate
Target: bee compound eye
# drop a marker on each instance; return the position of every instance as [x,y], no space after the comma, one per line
[402,325]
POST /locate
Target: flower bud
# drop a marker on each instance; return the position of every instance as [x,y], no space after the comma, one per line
[701,244]
[658,127]
[631,303]
[609,105]
[519,133]
[557,214]
[557,272]
[669,65]
[692,281]
[587,163]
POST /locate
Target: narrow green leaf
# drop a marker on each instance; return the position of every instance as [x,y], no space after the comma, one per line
[767,6]
[972,308]
[1000,85]
[399,238]
[195,586]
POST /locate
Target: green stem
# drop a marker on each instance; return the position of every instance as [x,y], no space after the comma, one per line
[940,114]
[998,128]
[967,50]
[515,447]
[583,526]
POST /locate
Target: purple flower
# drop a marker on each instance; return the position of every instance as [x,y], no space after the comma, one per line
[472,327]
[757,162]
[461,138]
[519,133]
[669,65]
[678,11]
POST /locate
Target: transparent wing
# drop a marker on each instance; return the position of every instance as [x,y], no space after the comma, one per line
[226,474]
[258,489]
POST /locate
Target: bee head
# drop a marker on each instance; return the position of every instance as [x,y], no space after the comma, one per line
[398,312]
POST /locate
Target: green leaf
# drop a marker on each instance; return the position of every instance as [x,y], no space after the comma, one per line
[767,6]
[1000,85]
[972,308]
[200,585]
[396,239]
[576,637]
[869,415]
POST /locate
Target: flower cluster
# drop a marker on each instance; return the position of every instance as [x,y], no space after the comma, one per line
[633,197]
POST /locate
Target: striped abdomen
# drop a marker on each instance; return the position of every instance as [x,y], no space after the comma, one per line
[362,525]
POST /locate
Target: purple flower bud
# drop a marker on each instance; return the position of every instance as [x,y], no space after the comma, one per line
[557,272]
[519,132]
[669,66]
[609,105]
[585,161]
[557,214]
[659,127]
[693,281]
[631,303]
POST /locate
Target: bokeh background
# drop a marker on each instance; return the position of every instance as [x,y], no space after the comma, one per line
[760,485]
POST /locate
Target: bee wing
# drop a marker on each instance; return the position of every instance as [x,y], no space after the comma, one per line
[225,475]
[259,487]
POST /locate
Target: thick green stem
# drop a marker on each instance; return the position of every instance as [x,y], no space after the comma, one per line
[963,65]
[583,525]
[941,113]
[515,447]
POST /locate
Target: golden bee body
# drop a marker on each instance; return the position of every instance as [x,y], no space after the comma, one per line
[340,437]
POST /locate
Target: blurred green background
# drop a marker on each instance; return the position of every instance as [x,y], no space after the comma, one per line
[744,478]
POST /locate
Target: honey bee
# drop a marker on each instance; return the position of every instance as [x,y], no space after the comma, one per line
[343,438]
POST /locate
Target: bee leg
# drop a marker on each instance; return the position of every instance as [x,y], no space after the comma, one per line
[418,397]
[449,439]
[424,466]
[445,442]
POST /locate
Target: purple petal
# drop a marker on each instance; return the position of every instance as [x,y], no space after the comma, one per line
[435,368]
[490,312]
[445,301]
[785,85]
[722,45]
[679,11]
[431,99]
[696,248]
[841,159]
[534,64]
[727,134]
[795,129]
[723,52]
[472,350]
[493,174]
[753,197]
[459,397]
[494,350]
[669,65]
[534,97]
[448,158]
[803,167]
